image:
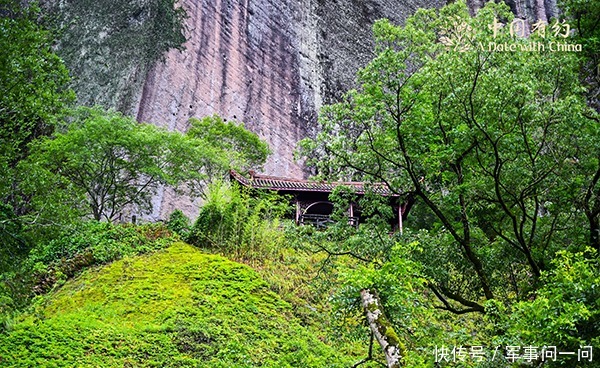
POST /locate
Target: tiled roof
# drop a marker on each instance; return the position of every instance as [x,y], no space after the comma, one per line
[300,185]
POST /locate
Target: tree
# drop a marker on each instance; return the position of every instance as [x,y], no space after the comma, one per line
[33,79]
[34,85]
[114,162]
[585,18]
[243,149]
[498,146]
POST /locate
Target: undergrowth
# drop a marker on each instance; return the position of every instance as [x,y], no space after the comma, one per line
[248,226]
[174,308]
[49,264]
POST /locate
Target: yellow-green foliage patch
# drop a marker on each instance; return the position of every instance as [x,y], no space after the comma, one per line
[175,308]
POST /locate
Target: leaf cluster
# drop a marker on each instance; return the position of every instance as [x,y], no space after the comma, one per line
[240,223]
[242,149]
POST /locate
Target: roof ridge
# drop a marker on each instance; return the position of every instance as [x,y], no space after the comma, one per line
[281,183]
[283,178]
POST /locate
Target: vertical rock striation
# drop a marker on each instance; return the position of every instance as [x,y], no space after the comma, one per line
[241,62]
[268,63]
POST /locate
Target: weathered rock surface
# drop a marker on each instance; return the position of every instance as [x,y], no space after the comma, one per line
[268,63]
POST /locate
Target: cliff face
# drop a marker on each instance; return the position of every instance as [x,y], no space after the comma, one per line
[241,62]
[268,63]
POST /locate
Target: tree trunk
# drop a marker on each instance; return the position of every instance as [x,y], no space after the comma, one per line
[382,329]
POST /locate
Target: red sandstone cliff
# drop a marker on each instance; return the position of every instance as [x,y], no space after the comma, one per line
[241,62]
[268,63]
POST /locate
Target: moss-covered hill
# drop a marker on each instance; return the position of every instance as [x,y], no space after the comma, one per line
[174,308]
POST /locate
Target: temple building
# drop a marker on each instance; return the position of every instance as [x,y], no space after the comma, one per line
[312,202]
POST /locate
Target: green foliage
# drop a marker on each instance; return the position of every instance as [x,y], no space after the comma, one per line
[501,152]
[584,18]
[148,29]
[179,223]
[401,295]
[566,309]
[34,85]
[492,143]
[114,162]
[90,243]
[33,80]
[109,46]
[243,149]
[238,222]
[174,308]
[14,245]
[105,241]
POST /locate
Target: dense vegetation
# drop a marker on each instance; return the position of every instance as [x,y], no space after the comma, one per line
[175,308]
[499,150]
[110,45]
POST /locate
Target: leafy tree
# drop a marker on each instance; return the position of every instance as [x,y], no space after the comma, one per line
[584,18]
[114,162]
[34,85]
[489,141]
[243,149]
[108,162]
[33,81]
[498,146]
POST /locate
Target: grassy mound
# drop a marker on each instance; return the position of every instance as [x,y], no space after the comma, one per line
[174,308]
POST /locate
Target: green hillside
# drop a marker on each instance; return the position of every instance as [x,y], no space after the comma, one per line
[174,308]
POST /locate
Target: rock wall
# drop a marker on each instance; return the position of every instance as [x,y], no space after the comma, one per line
[241,62]
[268,63]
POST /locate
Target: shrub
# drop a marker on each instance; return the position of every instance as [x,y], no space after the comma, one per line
[179,223]
[565,311]
[90,243]
[238,222]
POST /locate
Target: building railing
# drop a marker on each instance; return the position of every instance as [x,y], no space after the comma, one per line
[322,221]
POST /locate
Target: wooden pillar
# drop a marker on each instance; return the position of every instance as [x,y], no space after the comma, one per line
[297,211]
